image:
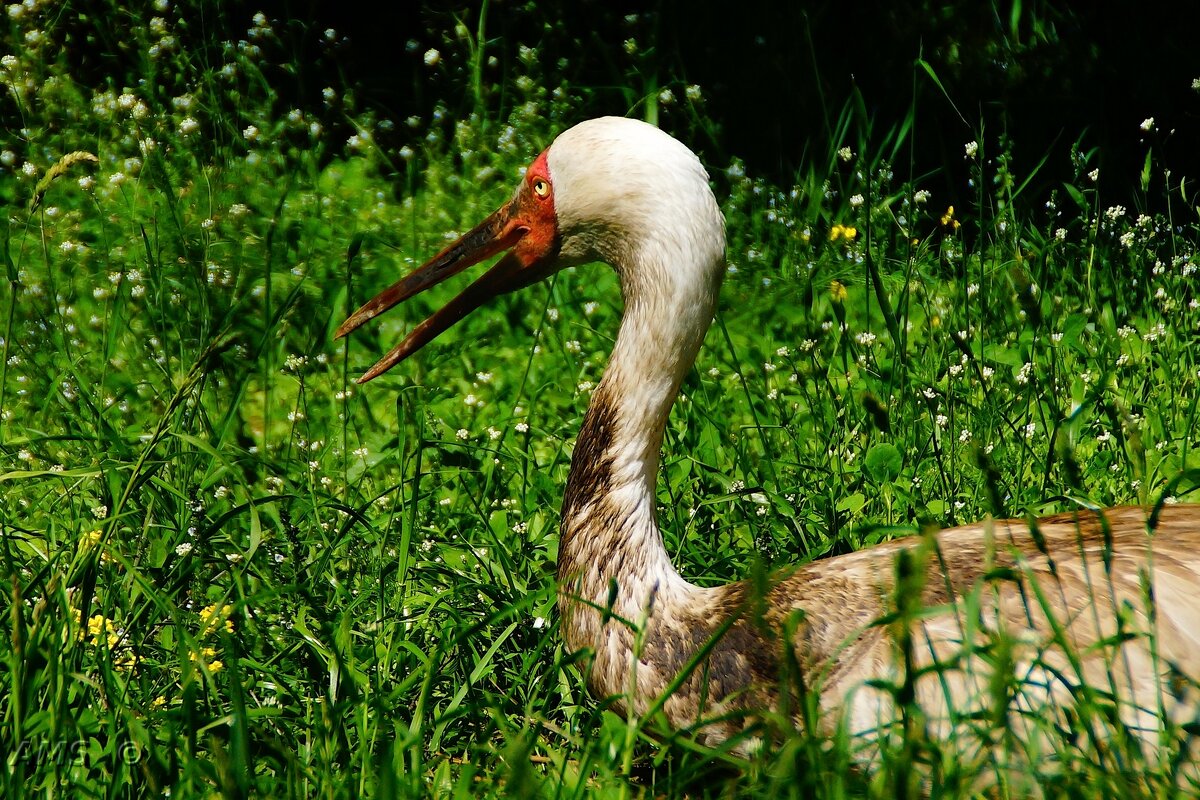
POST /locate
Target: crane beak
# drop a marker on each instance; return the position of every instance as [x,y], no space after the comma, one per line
[503,230]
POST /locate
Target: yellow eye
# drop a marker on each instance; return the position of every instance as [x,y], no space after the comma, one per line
[541,187]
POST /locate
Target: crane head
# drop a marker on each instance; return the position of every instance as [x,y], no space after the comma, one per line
[605,189]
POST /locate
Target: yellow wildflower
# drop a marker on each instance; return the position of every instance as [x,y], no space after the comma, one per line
[212,617]
[847,232]
[948,220]
[207,658]
[91,539]
[837,292]
[101,628]
[158,702]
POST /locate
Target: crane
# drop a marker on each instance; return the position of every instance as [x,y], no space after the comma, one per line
[1071,592]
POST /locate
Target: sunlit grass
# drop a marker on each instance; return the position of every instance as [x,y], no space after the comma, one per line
[233,570]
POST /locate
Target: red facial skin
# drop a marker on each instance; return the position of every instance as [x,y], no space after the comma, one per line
[535,212]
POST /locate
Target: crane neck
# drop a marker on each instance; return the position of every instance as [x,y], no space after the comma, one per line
[611,552]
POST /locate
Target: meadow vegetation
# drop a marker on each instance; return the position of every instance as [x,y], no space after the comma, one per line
[230,571]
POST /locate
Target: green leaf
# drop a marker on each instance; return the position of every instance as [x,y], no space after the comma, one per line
[883,462]
[853,503]
[1077,196]
[352,250]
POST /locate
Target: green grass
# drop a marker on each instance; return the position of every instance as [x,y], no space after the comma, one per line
[233,572]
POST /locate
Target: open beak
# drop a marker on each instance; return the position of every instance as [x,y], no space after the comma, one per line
[501,231]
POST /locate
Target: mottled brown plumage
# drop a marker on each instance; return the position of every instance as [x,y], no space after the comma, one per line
[999,623]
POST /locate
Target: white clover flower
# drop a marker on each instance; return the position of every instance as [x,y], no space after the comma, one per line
[965,435]
[1155,333]
[666,97]
[921,197]
[1094,175]
[522,427]
[845,153]
[1022,376]
[116,179]
[463,434]
[188,126]
[432,57]
[971,148]
[1061,234]
[406,153]
[856,200]
[250,133]
[1147,124]
[183,549]
[693,93]
[942,420]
